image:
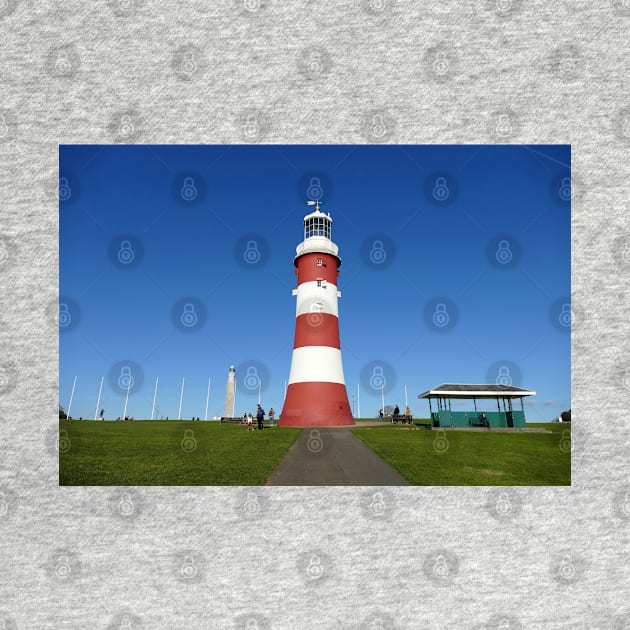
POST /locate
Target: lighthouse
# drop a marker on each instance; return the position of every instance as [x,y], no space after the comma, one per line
[316,395]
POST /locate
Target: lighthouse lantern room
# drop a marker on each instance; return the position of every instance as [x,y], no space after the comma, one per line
[316,395]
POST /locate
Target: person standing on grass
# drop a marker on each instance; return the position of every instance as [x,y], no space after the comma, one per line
[250,420]
[260,415]
[271,414]
[380,415]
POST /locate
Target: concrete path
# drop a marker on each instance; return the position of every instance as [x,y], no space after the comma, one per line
[333,457]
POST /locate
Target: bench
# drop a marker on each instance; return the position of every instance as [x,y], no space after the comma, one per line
[402,419]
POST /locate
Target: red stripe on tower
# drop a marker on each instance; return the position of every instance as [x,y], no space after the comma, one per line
[316,395]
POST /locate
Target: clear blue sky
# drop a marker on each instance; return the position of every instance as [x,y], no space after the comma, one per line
[456,266]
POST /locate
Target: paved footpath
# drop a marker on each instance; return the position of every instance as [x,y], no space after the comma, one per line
[333,457]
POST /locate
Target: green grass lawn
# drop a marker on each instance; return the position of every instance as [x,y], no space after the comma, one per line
[161,453]
[473,458]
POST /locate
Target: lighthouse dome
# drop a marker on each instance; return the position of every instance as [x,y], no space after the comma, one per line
[317,234]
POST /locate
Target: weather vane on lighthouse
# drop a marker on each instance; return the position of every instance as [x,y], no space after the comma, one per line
[316,395]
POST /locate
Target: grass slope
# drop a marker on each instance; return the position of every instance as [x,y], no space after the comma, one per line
[161,453]
[474,459]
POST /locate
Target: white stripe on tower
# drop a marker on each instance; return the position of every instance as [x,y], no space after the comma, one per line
[311,298]
[316,364]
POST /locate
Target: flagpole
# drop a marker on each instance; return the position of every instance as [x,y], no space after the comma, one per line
[71,396]
[126,398]
[181,399]
[208,397]
[358,401]
[154,397]
[259,384]
[406,401]
[98,400]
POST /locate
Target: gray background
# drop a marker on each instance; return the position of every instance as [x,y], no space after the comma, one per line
[558,557]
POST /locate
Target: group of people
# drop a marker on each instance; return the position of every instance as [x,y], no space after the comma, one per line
[395,413]
[248,419]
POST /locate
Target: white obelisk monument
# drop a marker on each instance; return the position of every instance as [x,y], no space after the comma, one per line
[230,389]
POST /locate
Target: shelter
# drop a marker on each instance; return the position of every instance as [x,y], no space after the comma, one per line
[444,416]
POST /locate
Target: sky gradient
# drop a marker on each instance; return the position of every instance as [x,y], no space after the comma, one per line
[177,262]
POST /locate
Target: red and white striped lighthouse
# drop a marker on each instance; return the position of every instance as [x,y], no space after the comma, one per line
[316,395]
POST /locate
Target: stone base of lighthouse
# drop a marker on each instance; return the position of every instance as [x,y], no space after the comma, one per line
[316,405]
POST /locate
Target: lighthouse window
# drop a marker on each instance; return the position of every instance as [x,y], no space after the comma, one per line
[320,262]
[319,283]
